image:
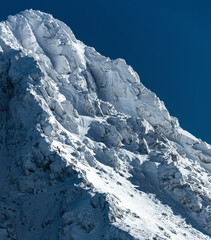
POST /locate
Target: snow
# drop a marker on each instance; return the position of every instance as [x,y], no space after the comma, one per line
[126,169]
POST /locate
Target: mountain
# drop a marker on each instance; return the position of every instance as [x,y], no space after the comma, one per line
[86,151]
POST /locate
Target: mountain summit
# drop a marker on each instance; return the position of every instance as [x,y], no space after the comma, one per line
[88,152]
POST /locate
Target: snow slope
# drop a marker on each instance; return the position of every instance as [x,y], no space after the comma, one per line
[126,170]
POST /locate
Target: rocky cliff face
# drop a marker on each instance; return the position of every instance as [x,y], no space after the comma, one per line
[86,151]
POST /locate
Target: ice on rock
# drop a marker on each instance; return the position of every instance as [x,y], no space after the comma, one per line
[87,151]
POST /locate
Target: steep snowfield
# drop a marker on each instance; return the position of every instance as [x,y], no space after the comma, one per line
[125,170]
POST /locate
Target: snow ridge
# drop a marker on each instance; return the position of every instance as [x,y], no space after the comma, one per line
[125,168]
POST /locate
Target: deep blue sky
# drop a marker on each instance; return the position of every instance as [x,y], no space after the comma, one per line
[168,42]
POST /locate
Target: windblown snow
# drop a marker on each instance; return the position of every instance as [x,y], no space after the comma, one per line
[126,170]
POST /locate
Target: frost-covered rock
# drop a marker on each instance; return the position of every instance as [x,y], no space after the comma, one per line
[88,152]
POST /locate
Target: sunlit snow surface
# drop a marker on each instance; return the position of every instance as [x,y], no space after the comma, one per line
[125,170]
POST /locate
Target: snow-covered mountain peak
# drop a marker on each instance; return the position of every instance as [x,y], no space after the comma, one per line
[93,152]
